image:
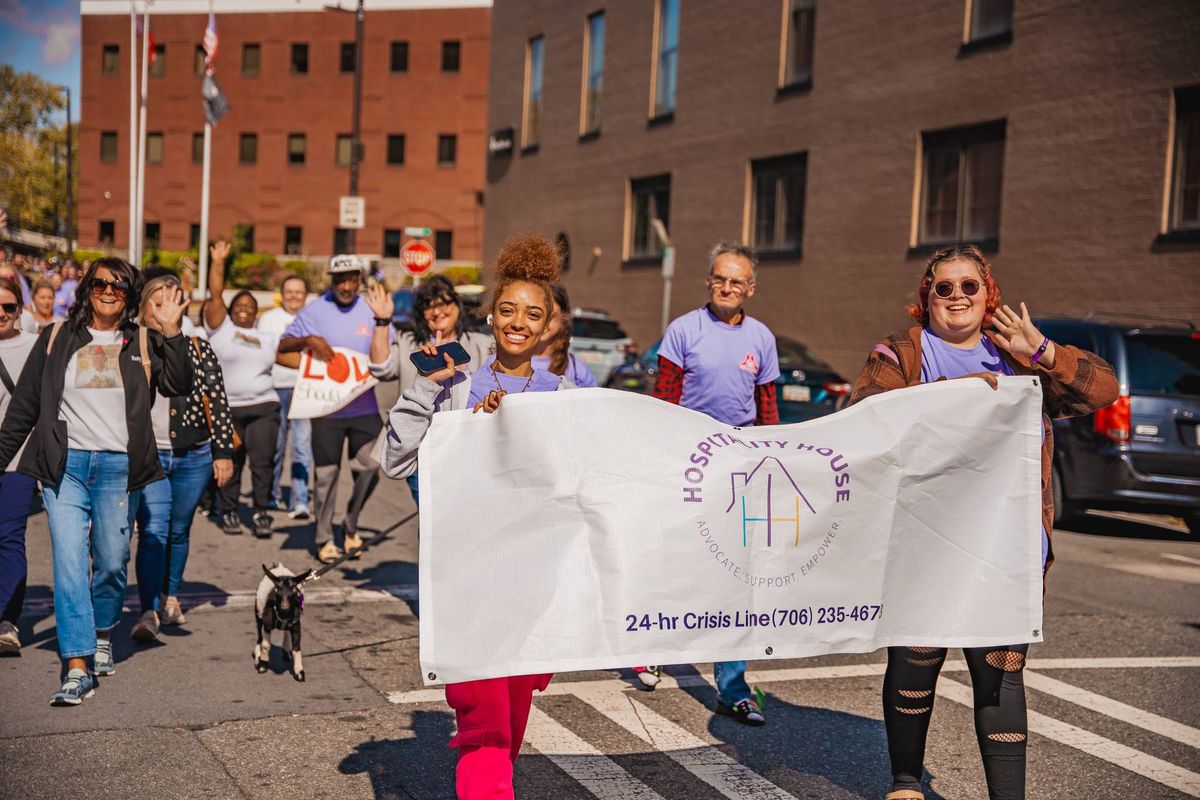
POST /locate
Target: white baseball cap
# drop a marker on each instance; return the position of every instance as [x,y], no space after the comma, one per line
[347,263]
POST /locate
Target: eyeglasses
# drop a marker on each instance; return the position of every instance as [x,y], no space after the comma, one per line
[10,308]
[734,284]
[119,288]
[944,289]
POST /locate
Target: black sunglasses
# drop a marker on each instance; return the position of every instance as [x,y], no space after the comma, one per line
[10,308]
[944,289]
[119,288]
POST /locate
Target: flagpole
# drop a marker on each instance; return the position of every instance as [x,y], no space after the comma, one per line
[133,135]
[203,244]
[141,184]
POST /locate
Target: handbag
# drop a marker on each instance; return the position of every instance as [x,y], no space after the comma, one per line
[237,440]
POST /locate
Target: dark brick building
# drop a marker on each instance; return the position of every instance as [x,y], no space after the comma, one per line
[846,140]
[280,157]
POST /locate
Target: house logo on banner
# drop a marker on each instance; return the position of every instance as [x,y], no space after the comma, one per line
[769,522]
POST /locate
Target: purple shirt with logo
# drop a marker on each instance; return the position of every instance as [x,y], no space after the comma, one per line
[484,380]
[721,363]
[352,327]
[940,359]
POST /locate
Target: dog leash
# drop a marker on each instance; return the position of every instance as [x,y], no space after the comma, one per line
[379,537]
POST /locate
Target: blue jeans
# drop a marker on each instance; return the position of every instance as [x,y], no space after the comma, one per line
[164,519]
[90,511]
[731,682]
[16,498]
[302,457]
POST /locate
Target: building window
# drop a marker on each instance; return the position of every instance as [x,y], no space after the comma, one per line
[399,60]
[293,240]
[243,238]
[650,199]
[962,172]
[532,127]
[443,244]
[777,203]
[666,57]
[198,61]
[341,155]
[248,148]
[251,60]
[1185,161]
[108,232]
[341,241]
[154,147]
[395,148]
[799,25]
[299,58]
[108,146]
[297,145]
[451,55]
[194,236]
[158,61]
[989,19]
[110,57]
[391,242]
[153,231]
[197,148]
[346,58]
[593,73]
[447,149]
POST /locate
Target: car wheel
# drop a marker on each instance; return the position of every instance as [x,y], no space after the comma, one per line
[1064,509]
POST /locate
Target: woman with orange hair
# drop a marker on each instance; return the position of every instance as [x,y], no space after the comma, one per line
[958,298]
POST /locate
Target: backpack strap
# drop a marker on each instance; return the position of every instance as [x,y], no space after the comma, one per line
[53,335]
[143,346]
[6,379]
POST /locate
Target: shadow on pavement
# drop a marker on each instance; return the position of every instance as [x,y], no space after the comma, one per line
[1127,527]
[421,766]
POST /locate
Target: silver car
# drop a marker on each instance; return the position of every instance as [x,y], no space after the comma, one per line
[598,341]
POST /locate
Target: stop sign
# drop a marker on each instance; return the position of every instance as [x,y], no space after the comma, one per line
[416,256]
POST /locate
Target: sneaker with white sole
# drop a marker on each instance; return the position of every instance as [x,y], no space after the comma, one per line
[230,523]
[649,676]
[10,641]
[103,660]
[146,629]
[746,712]
[78,686]
[262,525]
[300,512]
[172,612]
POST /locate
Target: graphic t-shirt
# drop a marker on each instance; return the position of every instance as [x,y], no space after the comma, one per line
[941,359]
[488,380]
[93,401]
[246,356]
[13,352]
[721,363]
[353,328]
[277,321]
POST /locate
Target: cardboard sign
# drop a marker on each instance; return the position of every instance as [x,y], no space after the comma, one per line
[323,388]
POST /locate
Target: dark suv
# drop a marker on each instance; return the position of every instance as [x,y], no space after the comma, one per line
[1142,453]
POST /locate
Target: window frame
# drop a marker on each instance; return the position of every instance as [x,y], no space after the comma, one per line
[197,154]
[447,252]
[114,137]
[531,107]
[153,242]
[1184,113]
[591,106]
[394,138]
[650,184]
[971,40]
[398,234]
[454,65]
[789,79]
[342,50]
[780,167]
[248,70]
[194,236]
[450,140]
[656,112]
[155,136]
[243,138]
[105,51]
[287,243]
[111,225]
[298,47]
[337,149]
[303,154]
[959,139]
[157,68]
[342,233]
[199,61]
[395,47]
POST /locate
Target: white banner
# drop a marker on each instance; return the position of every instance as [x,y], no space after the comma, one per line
[323,388]
[596,529]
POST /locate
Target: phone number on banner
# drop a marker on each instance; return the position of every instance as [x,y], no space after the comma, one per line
[775,618]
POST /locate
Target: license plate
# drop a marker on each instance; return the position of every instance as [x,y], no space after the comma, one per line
[797,394]
[591,357]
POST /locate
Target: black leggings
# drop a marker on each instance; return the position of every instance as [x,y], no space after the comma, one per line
[258,425]
[1000,725]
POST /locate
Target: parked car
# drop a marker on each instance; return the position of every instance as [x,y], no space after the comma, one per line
[807,387]
[402,311]
[599,342]
[1142,453]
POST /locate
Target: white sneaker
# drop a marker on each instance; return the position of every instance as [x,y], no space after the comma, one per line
[10,642]
[299,512]
[649,676]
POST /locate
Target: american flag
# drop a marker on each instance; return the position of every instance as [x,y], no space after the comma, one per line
[150,46]
[210,42]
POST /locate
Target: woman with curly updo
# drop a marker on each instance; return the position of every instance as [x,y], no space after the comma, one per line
[491,713]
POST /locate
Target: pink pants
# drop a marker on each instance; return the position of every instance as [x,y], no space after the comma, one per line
[491,716]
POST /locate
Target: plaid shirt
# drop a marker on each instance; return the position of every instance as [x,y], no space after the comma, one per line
[669,386]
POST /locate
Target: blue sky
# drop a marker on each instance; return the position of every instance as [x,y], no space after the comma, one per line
[42,36]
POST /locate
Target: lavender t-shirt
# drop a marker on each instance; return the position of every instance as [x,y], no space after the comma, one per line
[484,380]
[352,327]
[940,359]
[721,363]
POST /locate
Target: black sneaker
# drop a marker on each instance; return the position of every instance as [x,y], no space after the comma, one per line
[230,522]
[262,525]
[746,712]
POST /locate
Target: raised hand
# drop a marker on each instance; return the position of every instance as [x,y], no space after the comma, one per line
[380,301]
[1016,334]
[219,252]
[444,373]
[168,312]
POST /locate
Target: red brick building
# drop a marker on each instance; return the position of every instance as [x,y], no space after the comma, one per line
[846,139]
[280,156]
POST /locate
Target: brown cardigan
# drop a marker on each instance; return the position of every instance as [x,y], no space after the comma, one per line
[1079,383]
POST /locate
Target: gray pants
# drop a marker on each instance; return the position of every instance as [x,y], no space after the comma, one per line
[329,436]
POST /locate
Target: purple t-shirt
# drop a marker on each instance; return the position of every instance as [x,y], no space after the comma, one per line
[577,372]
[64,298]
[940,359]
[352,328]
[721,363]
[484,380]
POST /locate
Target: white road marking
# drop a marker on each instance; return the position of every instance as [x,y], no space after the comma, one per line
[1161,572]
[1136,761]
[701,758]
[596,772]
[213,601]
[1146,720]
[1182,559]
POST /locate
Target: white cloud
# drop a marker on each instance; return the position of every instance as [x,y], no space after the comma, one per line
[62,40]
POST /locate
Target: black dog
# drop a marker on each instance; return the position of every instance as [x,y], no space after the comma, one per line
[278,606]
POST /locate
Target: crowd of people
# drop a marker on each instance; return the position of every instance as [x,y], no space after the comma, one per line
[127,416]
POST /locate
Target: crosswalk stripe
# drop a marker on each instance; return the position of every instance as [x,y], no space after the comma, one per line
[1093,744]
[1114,708]
[596,772]
[701,758]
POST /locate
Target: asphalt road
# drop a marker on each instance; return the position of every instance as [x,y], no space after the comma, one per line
[1112,694]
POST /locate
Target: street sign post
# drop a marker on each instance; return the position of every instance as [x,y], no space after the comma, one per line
[352,212]
[417,256]
[418,232]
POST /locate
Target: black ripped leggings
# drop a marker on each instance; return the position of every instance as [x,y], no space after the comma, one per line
[1000,725]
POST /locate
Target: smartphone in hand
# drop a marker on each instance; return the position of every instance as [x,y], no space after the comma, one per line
[429,364]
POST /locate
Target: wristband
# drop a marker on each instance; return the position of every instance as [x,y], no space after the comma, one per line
[382,322]
[1040,351]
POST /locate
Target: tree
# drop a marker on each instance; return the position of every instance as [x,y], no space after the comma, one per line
[32,181]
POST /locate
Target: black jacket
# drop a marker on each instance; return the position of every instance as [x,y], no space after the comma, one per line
[189,423]
[35,404]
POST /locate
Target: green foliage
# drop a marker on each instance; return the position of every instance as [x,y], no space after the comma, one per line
[82,255]
[32,185]
[169,258]
[253,271]
[460,275]
[313,272]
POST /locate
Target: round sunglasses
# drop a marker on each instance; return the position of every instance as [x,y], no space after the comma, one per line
[119,288]
[944,289]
